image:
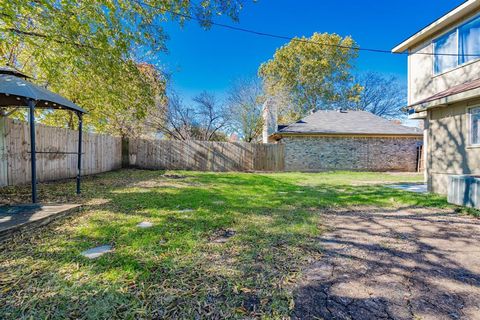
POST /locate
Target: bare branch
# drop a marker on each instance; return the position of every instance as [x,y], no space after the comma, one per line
[245,103]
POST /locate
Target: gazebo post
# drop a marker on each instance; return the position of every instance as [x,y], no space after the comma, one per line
[79,160]
[31,106]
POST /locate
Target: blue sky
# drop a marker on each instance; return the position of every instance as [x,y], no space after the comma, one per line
[212,59]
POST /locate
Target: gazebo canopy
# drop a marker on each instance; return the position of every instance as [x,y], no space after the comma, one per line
[16,91]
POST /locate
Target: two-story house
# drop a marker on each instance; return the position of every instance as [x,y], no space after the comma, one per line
[444,91]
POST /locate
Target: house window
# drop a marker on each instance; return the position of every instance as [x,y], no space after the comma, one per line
[475,126]
[469,38]
[457,47]
[446,48]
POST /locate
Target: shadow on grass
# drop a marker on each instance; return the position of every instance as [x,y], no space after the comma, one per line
[412,265]
[172,269]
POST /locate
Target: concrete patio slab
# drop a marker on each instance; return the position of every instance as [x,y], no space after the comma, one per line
[418,188]
[388,263]
[20,217]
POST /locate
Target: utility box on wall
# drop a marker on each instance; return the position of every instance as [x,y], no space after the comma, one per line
[464,190]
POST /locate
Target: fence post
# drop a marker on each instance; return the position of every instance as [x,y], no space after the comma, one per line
[125,152]
[79,157]
[3,153]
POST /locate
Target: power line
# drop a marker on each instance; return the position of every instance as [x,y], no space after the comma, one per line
[296,39]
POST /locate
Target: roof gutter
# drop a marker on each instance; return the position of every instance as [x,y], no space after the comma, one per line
[443,102]
[280,135]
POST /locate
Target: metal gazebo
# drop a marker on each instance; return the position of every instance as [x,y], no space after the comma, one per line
[16,91]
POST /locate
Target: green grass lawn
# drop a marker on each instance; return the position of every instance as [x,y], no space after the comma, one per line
[178,268]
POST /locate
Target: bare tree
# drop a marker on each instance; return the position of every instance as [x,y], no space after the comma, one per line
[210,114]
[174,119]
[245,103]
[381,95]
[180,121]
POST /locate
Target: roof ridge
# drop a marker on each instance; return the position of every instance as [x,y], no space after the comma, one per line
[349,122]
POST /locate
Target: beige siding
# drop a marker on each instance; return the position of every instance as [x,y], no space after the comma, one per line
[446,137]
[449,152]
[423,83]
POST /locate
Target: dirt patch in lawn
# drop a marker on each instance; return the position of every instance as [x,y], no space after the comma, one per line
[157,183]
[222,235]
[174,176]
[394,264]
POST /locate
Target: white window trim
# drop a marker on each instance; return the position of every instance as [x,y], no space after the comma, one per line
[469,127]
[457,31]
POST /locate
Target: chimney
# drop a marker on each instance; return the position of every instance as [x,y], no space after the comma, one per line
[270,115]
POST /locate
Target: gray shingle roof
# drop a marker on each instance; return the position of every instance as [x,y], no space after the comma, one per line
[347,122]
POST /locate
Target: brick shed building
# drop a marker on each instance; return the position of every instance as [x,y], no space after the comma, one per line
[346,140]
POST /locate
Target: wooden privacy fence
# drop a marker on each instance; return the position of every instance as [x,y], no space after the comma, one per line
[206,156]
[56,157]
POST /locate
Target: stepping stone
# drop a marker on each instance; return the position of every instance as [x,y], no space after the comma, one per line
[417,188]
[185,210]
[145,224]
[97,252]
[219,202]
[282,192]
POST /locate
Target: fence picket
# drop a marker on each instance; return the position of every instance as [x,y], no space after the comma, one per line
[206,155]
[101,153]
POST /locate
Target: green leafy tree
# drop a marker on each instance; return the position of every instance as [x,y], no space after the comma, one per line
[91,51]
[312,72]
[118,104]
